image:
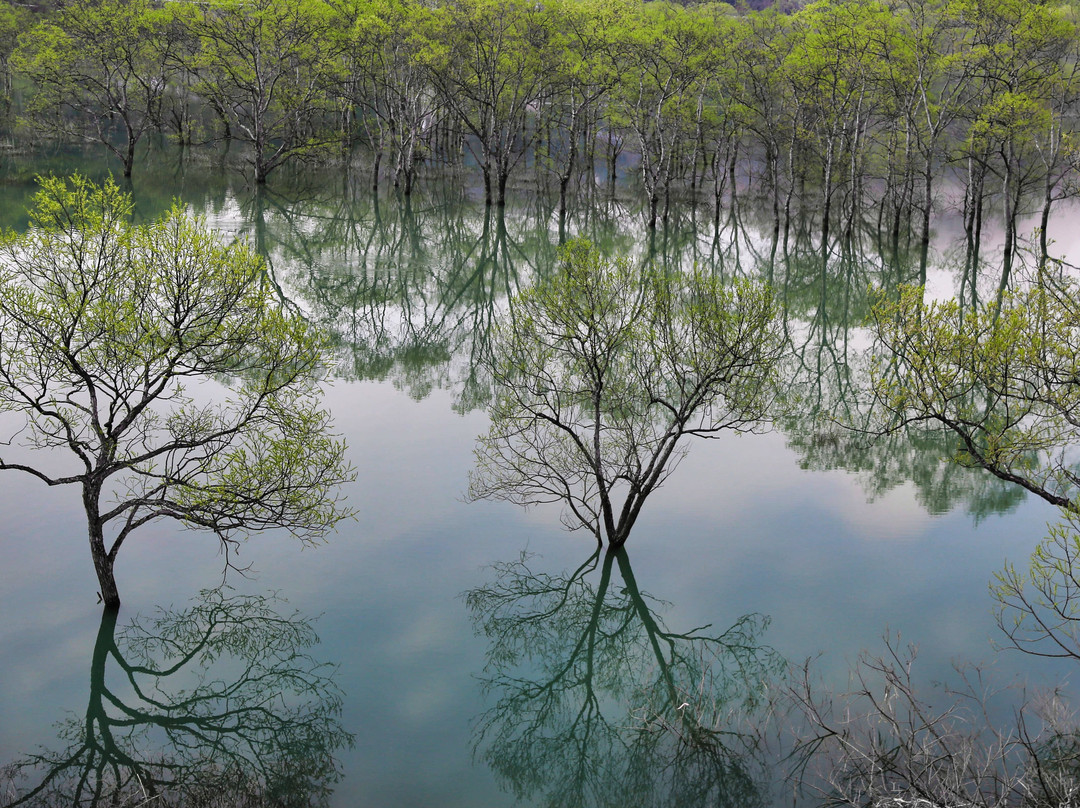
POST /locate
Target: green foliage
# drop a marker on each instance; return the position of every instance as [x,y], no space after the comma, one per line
[267,68]
[13,21]
[385,77]
[841,51]
[1038,609]
[1001,379]
[1009,119]
[160,362]
[666,54]
[844,91]
[492,86]
[600,373]
[100,69]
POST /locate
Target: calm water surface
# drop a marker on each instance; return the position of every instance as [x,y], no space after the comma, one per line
[828,546]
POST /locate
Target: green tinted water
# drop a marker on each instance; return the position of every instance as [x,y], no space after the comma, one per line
[466,679]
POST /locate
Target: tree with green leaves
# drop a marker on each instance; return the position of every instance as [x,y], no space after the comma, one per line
[154,368]
[1021,55]
[386,81]
[491,61]
[587,68]
[100,69]
[267,68]
[758,49]
[1002,379]
[935,75]
[837,56]
[1037,608]
[602,372]
[668,52]
[13,21]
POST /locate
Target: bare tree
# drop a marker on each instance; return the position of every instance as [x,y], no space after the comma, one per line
[888,743]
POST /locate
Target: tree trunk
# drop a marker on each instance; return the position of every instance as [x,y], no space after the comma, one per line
[129,156]
[1044,223]
[975,233]
[826,205]
[103,562]
[613,156]
[699,143]
[487,181]
[1011,206]
[790,192]
[571,160]
[504,175]
[733,192]
[928,199]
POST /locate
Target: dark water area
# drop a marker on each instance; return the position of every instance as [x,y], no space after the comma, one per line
[475,653]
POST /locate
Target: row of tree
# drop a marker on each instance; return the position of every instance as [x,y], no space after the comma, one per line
[833,106]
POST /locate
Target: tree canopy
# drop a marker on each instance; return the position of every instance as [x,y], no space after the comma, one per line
[814,108]
[1001,379]
[600,373]
[159,364]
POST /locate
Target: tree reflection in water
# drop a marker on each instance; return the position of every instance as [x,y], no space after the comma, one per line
[215,705]
[595,698]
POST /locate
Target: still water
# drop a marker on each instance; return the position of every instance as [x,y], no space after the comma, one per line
[461,679]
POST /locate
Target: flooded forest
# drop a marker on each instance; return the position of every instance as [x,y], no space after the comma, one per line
[365,343]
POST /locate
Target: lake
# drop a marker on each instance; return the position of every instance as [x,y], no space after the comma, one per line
[835,546]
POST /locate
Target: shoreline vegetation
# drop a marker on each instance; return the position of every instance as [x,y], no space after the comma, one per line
[835,108]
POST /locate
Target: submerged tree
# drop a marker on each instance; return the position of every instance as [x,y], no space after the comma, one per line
[888,741]
[161,365]
[492,85]
[219,704]
[603,370]
[101,69]
[266,68]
